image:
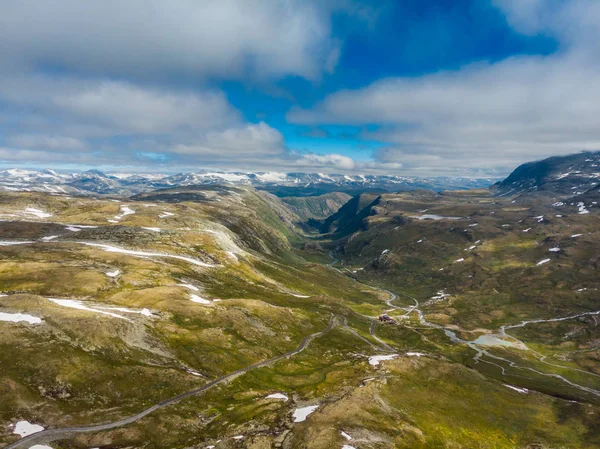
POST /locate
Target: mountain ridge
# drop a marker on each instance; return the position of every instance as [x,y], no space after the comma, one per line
[569,175]
[281,184]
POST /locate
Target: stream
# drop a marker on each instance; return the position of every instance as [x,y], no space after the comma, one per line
[479,345]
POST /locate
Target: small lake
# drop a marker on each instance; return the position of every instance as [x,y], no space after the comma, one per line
[492,340]
[486,340]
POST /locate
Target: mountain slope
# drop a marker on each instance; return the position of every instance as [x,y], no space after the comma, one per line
[201,294]
[562,175]
[317,207]
[350,217]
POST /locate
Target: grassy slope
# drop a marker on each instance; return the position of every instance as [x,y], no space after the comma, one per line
[80,367]
[317,207]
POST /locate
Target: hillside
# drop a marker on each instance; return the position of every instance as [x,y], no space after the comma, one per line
[202,316]
[316,207]
[561,175]
[350,216]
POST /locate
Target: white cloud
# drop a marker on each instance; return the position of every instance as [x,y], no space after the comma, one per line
[135,109]
[575,22]
[493,115]
[224,38]
[116,82]
[526,16]
[336,161]
[47,142]
[257,140]
[119,106]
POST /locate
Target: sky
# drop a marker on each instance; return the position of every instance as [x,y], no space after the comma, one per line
[403,87]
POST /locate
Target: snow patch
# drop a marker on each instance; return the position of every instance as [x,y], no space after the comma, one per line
[199,300]
[5,243]
[36,212]
[277,396]
[300,414]
[125,210]
[18,317]
[25,428]
[520,390]
[375,360]
[50,237]
[582,209]
[75,304]
[145,312]
[554,250]
[542,262]
[440,295]
[114,249]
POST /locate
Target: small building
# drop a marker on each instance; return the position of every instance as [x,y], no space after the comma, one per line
[385,318]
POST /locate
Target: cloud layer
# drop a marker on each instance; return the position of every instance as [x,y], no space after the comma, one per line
[142,82]
[227,38]
[131,82]
[490,115]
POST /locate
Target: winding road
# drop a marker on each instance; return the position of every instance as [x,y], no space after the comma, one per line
[49,435]
[480,349]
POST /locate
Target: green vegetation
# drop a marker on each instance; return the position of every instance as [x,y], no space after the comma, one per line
[269,288]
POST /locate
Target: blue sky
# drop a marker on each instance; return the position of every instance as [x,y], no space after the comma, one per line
[437,87]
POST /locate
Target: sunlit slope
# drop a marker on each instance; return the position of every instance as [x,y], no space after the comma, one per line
[119,305]
[481,266]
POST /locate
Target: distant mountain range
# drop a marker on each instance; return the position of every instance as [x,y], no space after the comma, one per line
[281,184]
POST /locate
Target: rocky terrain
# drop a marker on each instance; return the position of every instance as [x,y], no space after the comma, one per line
[211,316]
